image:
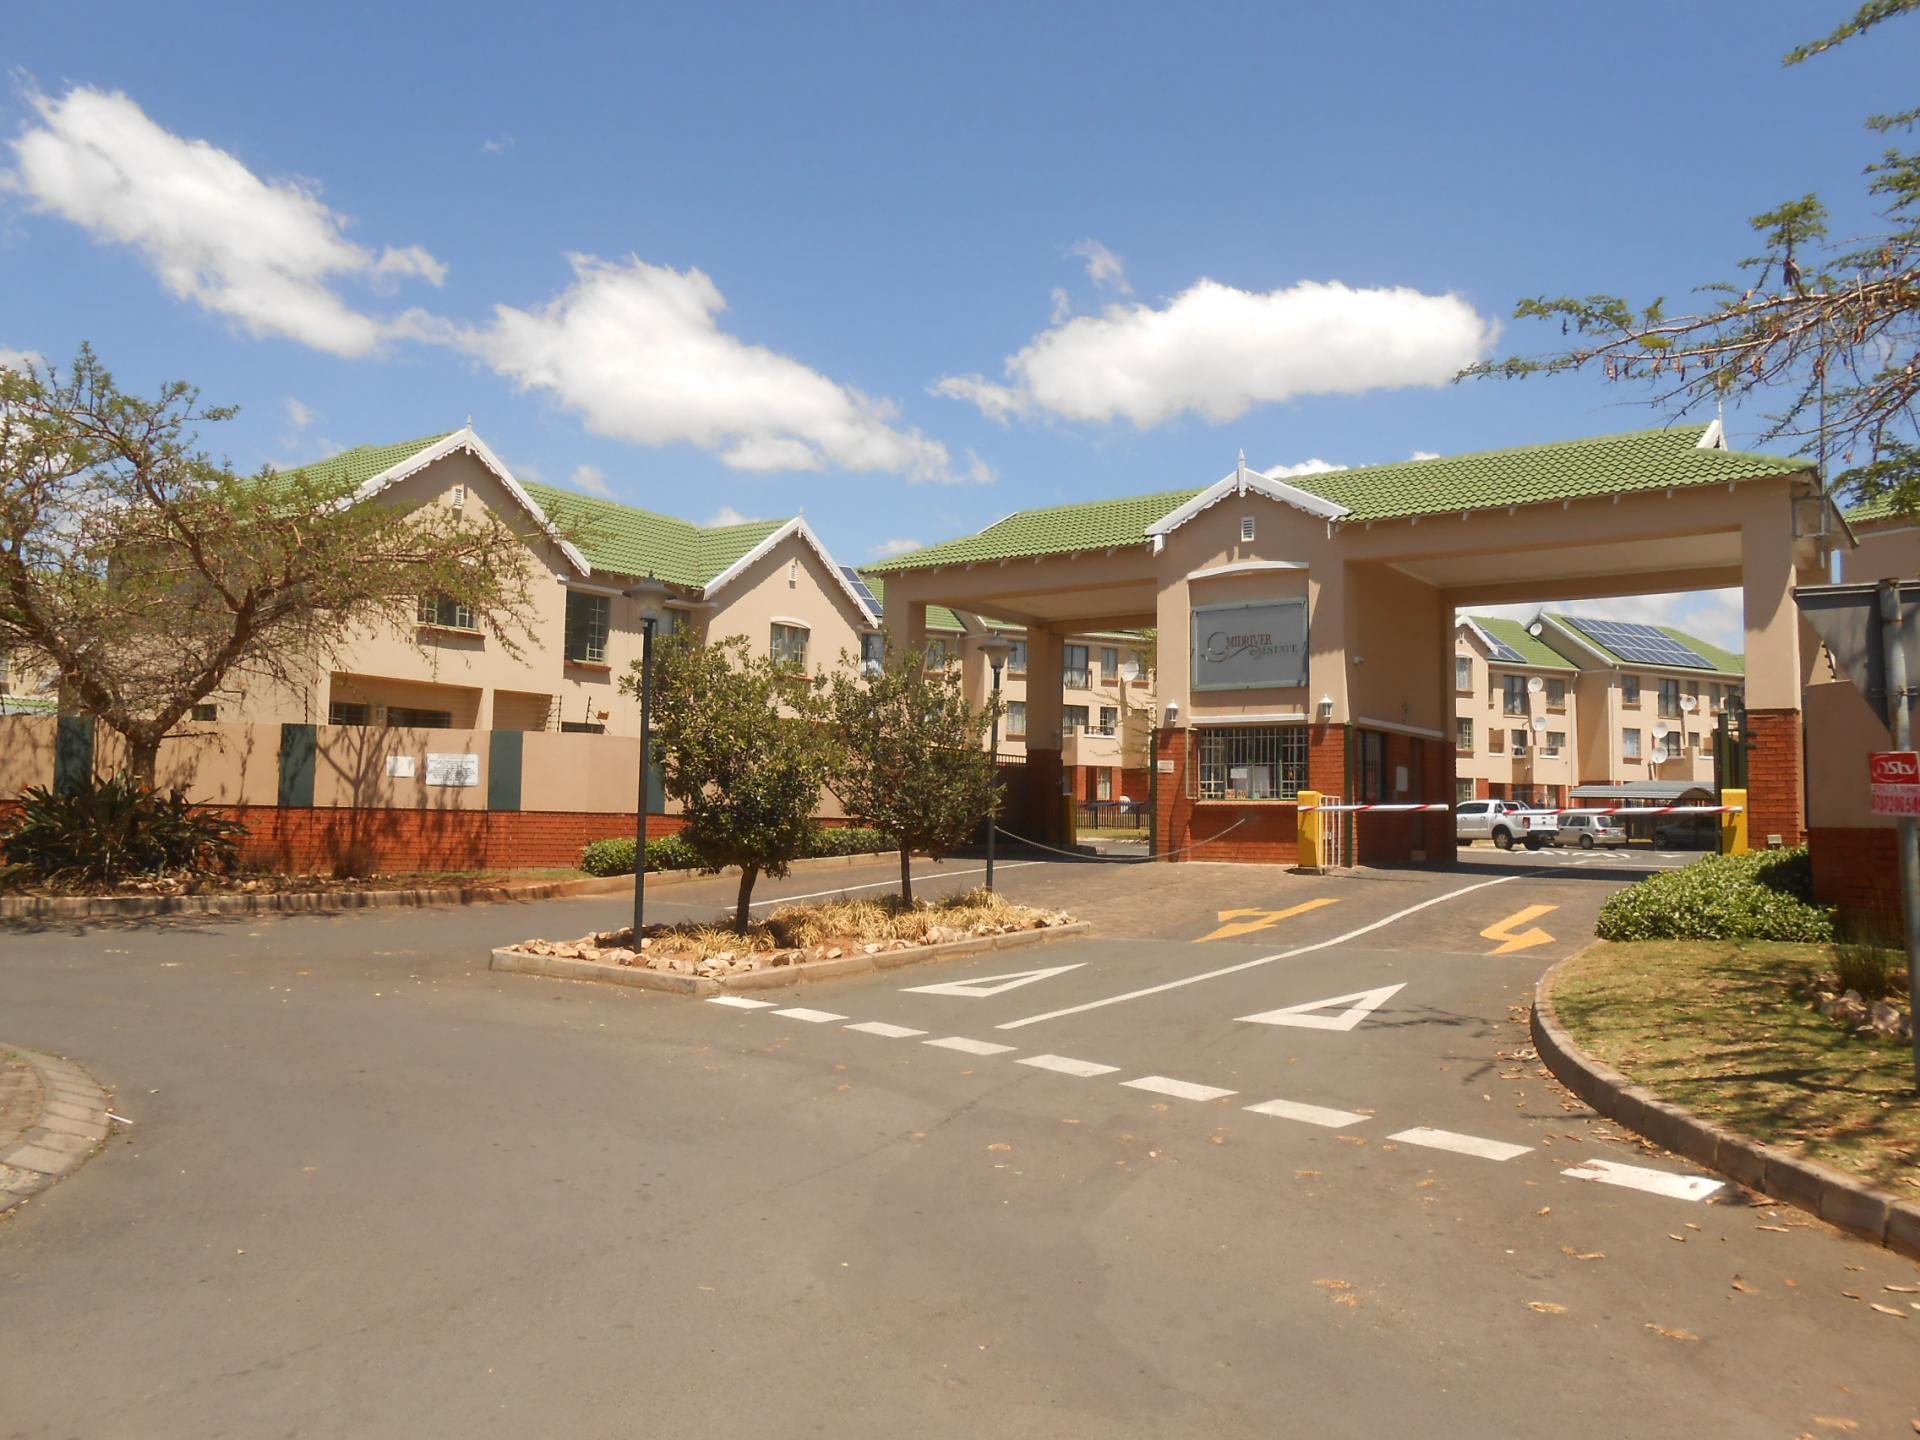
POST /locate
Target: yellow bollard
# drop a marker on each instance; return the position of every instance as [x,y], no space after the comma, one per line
[1733,828]
[1310,828]
[1069,826]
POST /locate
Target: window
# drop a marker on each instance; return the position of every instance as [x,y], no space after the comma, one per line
[349,712]
[1462,788]
[1718,697]
[937,657]
[1103,785]
[1516,694]
[1672,745]
[1075,676]
[789,646]
[1556,741]
[679,622]
[1252,762]
[1556,695]
[1669,699]
[1017,659]
[1463,735]
[581,727]
[1373,766]
[873,654]
[1109,719]
[206,711]
[1109,664]
[1629,689]
[1073,718]
[1016,719]
[1630,744]
[1246,527]
[447,613]
[1697,739]
[1519,742]
[587,627]
[408,716]
[1496,740]
[1463,672]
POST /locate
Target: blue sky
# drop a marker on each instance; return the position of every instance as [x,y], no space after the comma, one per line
[906,269]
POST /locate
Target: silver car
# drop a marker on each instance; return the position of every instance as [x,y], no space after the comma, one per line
[1587,831]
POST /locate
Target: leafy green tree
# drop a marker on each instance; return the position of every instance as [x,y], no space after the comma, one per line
[914,763]
[744,749]
[1832,330]
[146,576]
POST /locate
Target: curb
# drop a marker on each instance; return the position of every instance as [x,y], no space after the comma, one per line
[71,1125]
[556,967]
[127,907]
[1853,1205]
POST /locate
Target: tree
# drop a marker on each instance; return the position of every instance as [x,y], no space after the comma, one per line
[1834,330]
[914,763]
[147,576]
[743,748]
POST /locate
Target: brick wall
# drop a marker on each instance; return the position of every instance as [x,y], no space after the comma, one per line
[1776,761]
[1859,871]
[1259,833]
[308,841]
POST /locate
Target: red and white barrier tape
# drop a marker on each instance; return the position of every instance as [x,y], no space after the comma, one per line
[1523,814]
[1400,809]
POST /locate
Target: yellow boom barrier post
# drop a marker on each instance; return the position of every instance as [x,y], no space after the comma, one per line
[1308,825]
[1733,828]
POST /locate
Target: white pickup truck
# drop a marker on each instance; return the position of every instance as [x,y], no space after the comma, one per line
[1505,822]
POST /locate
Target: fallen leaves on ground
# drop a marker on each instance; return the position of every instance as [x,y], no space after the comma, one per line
[1671,1334]
[1334,1284]
[1583,1254]
[1546,1307]
[1889,1310]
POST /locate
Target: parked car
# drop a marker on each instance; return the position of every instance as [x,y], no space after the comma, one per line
[1587,831]
[1504,822]
[1687,832]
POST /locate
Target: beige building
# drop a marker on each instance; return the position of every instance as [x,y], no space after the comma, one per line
[1562,700]
[771,580]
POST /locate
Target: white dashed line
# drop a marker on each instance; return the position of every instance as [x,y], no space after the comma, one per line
[969,1047]
[812,1017]
[1460,1144]
[740,1002]
[1307,1114]
[1179,1089]
[880,1027]
[1654,1182]
[1064,1065]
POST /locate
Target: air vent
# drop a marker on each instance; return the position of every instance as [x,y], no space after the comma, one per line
[1246,527]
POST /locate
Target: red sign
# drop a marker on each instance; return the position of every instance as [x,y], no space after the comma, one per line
[1894,781]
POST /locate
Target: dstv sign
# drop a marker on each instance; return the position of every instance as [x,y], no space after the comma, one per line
[1250,647]
[1894,778]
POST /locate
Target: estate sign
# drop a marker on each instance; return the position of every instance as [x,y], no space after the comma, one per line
[453,769]
[1893,776]
[1247,647]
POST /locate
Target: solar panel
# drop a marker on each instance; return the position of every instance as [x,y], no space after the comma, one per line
[861,588]
[1641,644]
[1498,649]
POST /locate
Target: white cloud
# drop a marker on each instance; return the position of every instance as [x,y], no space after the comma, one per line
[637,351]
[1426,455]
[300,416]
[589,478]
[20,359]
[1713,615]
[1218,351]
[499,145]
[266,254]
[979,472]
[894,547]
[1103,266]
[727,515]
[1315,466]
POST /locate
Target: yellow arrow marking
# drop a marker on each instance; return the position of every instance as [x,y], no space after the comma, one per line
[1519,939]
[1245,922]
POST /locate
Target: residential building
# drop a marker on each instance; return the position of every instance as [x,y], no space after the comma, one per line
[1516,715]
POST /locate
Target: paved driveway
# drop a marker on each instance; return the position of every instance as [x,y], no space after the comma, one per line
[1265,1154]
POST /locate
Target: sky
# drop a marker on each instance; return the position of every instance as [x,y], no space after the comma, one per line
[903,269]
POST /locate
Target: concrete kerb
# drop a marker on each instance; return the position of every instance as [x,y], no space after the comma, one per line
[1841,1200]
[71,1124]
[133,907]
[557,967]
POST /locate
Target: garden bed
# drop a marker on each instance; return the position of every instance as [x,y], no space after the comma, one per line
[794,943]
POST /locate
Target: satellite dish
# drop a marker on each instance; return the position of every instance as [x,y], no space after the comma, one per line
[1689,704]
[1535,685]
[1539,722]
[1535,629]
[1660,730]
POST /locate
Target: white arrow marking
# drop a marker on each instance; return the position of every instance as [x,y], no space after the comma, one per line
[1360,1004]
[1654,1182]
[989,984]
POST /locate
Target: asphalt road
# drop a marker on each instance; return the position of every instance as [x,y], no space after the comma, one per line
[373,1189]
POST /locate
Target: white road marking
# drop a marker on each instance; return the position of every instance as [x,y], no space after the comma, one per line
[812,1017]
[1179,1089]
[989,984]
[1064,1065]
[969,1047]
[883,884]
[741,1002]
[880,1027]
[1460,1144]
[1359,1006]
[1654,1182]
[1264,959]
[1307,1114]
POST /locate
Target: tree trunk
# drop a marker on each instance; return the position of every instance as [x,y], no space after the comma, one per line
[743,906]
[906,876]
[143,757]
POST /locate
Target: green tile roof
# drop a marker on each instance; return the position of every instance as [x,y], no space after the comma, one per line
[939,617]
[1878,508]
[1536,654]
[357,466]
[631,541]
[1527,475]
[1724,662]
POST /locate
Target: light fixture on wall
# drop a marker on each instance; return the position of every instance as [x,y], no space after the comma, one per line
[1326,708]
[1173,711]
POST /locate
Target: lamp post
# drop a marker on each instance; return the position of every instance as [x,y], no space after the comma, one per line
[649,597]
[996,650]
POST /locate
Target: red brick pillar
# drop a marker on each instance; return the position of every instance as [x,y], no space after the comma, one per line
[1043,795]
[1327,773]
[1775,777]
[1173,811]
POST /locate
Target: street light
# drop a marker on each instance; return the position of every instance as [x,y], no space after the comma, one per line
[996,649]
[649,603]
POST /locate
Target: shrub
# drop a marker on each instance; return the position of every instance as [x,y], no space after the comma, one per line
[848,840]
[356,860]
[104,831]
[615,856]
[1766,895]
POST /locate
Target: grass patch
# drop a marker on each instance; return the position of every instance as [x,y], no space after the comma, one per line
[1122,832]
[1712,1026]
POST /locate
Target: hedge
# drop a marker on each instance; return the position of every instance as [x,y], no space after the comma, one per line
[1765,895]
[670,852]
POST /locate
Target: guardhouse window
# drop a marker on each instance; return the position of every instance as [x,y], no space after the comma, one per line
[1252,762]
